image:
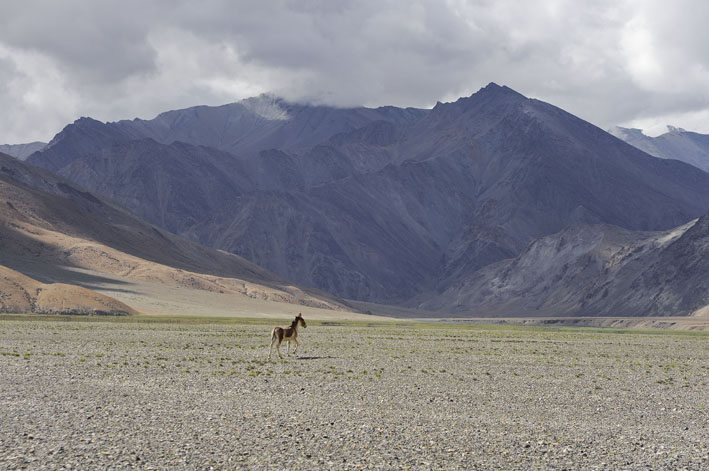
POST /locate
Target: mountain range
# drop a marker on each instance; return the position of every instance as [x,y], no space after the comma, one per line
[390,205]
[596,270]
[58,243]
[676,143]
[22,151]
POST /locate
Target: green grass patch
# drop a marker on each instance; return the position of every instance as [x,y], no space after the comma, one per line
[408,325]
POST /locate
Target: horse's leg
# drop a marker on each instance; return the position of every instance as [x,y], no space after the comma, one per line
[277,344]
[278,347]
[288,350]
[296,346]
[273,340]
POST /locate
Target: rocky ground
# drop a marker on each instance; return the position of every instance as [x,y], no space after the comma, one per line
[173,396]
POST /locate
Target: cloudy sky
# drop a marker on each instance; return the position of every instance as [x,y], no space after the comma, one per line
[642,63]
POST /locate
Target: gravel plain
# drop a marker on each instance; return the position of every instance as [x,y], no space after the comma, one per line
[180,396]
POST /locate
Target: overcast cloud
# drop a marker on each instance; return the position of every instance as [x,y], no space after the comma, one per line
[641,63]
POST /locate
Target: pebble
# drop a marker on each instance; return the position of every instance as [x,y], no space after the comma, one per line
[182,397]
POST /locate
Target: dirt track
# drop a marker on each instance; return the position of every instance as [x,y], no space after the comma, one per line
[117,395]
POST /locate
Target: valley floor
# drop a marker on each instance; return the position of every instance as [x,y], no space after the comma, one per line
[698,323]
[182,394]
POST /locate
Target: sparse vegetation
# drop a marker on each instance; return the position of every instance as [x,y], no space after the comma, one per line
[194,393]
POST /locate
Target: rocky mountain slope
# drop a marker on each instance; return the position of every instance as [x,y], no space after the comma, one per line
[22,151]
[53,232]
[259,123]
[377,205]
[678,144]
[592,270]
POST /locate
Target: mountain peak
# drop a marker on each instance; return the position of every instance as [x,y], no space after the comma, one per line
[87,120]
[676,143]
[492,93]
[500,90]
[626,134]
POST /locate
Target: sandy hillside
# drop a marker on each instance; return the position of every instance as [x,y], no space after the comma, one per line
[55,255]
[20,293]
[162,299]
[54,232]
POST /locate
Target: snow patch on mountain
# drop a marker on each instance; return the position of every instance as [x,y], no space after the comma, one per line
[266,107]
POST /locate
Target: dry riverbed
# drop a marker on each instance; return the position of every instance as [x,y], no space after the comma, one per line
[172,396]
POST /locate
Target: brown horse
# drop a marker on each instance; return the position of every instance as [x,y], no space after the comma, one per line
[289,334]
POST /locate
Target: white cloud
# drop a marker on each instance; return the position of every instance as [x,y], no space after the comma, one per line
[654,126]
[34,96]
[640,55]
[609,62]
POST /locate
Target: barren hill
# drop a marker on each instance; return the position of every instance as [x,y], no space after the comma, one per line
[592,270]
[22,294]
[53,231]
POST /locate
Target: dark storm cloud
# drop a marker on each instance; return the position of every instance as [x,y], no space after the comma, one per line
[610,62]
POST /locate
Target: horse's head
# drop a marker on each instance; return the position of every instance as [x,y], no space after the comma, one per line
[300,320]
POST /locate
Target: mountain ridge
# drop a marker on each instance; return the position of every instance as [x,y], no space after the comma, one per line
[22,151]
[242,127]
[52,228]
[401,203]
[677,144]
[592,270]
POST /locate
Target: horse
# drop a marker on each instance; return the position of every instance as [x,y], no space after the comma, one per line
[289,334]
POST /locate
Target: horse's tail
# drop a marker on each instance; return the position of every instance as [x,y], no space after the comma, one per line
[273,334]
